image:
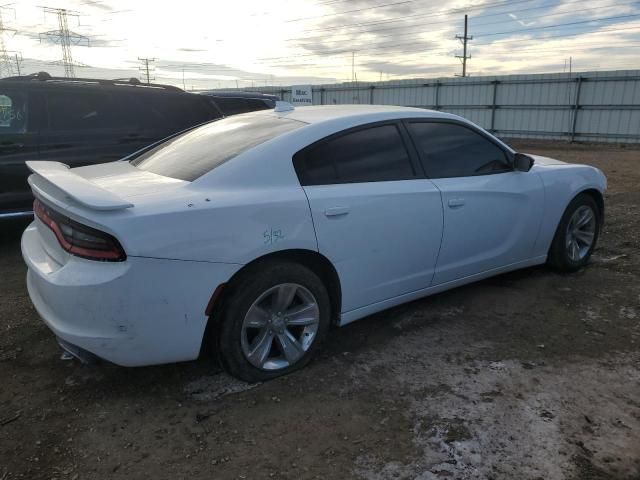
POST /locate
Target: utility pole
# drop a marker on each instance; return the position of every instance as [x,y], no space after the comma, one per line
[464,39]
[65,37]
[146,71]
[6,64]
[353,66]
[183,85]
[18,62]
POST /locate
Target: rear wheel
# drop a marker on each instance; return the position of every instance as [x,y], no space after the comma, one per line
[576,235]
[272,324]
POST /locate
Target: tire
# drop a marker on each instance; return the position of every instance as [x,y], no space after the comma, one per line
[562,254]
[248,318]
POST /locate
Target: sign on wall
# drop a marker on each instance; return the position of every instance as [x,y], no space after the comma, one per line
[301,95]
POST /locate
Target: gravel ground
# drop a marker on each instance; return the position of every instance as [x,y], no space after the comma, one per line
[529,375]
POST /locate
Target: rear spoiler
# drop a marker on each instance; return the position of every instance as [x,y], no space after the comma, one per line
[74,186]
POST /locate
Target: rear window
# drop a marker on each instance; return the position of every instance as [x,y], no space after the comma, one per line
[194,153]
[175,112]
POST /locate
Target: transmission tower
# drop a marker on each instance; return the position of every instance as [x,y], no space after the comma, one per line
[6,60]
[65,37]
[146,70]
[464,39]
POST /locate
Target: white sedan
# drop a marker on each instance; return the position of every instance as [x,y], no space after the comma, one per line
[254,233]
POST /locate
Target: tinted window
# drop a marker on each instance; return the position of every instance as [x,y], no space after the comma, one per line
[232,106]
[452,150]
[175,112]
[194,153]
[13,112]
[372,155]
[257,104]
[84,110]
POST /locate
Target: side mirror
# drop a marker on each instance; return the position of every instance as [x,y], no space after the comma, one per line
[522,162]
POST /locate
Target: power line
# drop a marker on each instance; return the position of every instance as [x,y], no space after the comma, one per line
[375,7]
[497,42]
[617,17]
[440,22]
[422,15]
[395,45]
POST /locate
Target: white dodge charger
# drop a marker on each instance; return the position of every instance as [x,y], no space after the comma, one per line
[253,234]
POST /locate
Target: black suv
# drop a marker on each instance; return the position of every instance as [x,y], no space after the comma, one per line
[85,121]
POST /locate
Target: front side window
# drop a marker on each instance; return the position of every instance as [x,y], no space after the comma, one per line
[198,151]
[451,150]
[13,112]
[374,154]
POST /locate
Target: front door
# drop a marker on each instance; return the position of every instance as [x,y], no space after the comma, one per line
[492,213]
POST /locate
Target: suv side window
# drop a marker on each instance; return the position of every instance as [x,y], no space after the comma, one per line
[232,105]
[13,112]
[84,110]
[176,112]
[453,150]
[373,154]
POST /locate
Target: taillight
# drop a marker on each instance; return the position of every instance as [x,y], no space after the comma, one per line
[78,239]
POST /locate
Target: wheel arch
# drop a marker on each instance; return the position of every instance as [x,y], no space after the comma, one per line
[314,261]
[597,197]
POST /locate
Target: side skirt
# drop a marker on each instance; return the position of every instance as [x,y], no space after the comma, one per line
[358,313]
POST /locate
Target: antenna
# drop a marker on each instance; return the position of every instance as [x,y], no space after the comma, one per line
[65,37]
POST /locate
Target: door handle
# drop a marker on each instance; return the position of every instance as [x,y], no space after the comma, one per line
[456,202]
[336,211]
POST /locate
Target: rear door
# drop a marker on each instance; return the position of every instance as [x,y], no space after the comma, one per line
[492,213]
[19,123]
[376,217]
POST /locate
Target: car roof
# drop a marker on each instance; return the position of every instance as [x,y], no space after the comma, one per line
[364,113]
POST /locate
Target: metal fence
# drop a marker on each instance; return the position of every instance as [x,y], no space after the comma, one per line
[587,106]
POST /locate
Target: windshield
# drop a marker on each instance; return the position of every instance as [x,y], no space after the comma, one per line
[198,151]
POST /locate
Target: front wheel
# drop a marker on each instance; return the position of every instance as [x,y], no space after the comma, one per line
[274,321]
[576,235]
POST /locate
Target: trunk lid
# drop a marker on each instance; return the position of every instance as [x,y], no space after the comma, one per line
[93,196]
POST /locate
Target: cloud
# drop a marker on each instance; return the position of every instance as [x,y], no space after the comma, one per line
[248,41]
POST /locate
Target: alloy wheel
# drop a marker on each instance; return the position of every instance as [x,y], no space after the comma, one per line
[280,326]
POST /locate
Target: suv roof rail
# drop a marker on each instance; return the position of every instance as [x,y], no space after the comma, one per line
[44,76]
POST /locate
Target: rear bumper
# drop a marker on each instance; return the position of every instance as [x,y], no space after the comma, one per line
[138,312]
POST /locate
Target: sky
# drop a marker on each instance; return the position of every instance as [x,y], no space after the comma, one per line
[251,43]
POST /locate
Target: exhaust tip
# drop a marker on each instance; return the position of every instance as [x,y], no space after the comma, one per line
[73,351]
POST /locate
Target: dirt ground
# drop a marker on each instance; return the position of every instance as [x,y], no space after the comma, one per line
[529,375]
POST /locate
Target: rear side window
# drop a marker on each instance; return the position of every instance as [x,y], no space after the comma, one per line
[13,112]
[175,112]
[231,106]
[451,150]
[84,110]
[374,154]
[196,152]
[235,105]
